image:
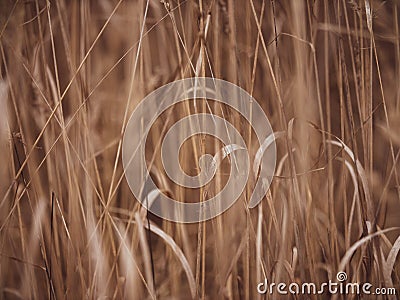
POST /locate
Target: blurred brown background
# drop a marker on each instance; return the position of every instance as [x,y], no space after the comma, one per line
[325,72]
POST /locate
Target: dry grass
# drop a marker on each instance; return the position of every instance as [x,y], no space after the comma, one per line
[325,72]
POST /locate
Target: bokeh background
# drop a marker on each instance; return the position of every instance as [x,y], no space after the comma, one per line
[326,74]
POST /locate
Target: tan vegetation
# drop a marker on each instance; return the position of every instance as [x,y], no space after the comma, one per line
[325,72]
